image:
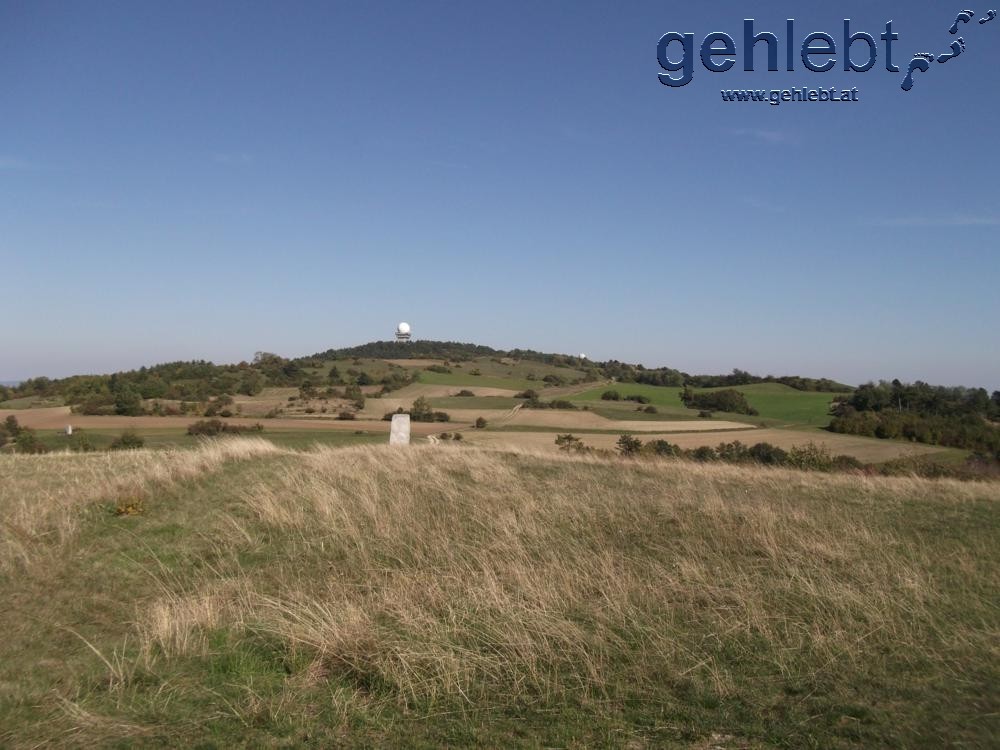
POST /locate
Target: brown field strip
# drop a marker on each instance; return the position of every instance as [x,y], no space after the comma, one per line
[864,449]
[587,420]
[58,417]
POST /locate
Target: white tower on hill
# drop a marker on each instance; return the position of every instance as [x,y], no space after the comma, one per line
[403,332]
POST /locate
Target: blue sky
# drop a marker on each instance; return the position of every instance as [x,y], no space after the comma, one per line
[205,180]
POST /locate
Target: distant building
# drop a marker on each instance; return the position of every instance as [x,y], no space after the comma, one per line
[403,332]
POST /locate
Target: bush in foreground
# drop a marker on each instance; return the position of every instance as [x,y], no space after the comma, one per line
[129,440]
[212,427]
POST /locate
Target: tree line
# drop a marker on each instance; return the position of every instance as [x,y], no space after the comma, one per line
[954,417]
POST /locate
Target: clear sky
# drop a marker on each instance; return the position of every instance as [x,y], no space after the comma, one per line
[204,180]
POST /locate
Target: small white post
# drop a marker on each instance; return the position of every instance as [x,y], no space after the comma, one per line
[69,430]
[399,431]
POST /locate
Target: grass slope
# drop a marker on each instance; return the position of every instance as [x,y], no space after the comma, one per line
[454,596]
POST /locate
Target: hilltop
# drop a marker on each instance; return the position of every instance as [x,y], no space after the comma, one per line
[201,379]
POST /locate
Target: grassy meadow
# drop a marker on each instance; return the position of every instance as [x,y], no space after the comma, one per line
[247,594]
[774,401]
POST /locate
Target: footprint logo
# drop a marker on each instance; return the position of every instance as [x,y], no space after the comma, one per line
[990,15]
[965,16]
[957,48]
[922,62]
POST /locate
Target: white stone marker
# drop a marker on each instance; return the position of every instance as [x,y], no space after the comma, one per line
[399,432]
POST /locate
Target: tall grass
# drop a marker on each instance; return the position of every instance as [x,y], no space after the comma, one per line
[356,596]
[430,576]
[42,497]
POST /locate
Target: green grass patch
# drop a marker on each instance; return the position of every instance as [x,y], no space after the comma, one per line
[32,402]
[776,403]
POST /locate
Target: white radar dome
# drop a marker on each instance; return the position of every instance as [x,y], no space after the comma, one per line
[403,328]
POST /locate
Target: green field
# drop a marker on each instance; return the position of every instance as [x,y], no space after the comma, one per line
[774,401]
[31,402]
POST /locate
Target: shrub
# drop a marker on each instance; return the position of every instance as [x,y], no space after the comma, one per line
[480,423]
[847,463]
[528,394]
[765,453]
[442,416]
[651,410]
[128,440]
[11,426]
[128,402]
[211,427]
[810,456]
[554,404]
[611,396]
[734,452]
[628,445]
[661,448]
[705,414]
[27,442]
[637,398]
[79,442]
[465,392]
[346,415]
[457,436]
[569,442]
[439,369]
[704,453]
[421,411]
[728,400]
